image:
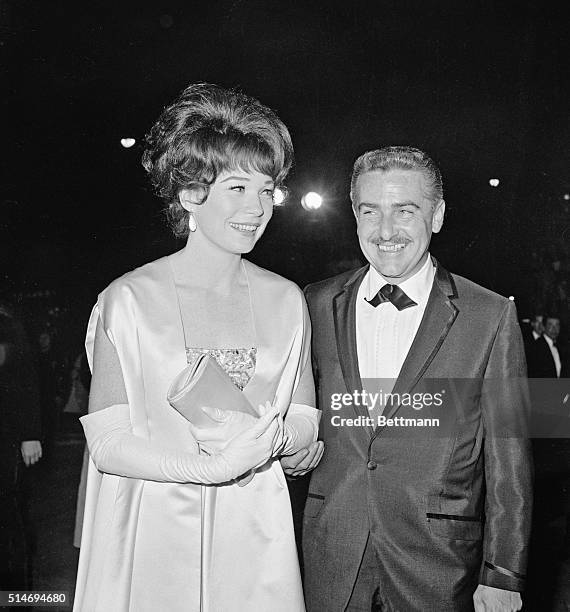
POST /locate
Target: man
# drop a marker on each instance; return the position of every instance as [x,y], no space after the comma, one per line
[531,333]
[551,452]
[533,330]
[19,440]
[546,360]
[537,326]
[395,521]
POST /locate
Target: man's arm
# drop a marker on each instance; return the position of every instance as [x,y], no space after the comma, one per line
[303,461]
[508,461]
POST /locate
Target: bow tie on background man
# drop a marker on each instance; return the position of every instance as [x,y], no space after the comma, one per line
[392,293]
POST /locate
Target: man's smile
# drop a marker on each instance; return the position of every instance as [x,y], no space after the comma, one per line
[391,248]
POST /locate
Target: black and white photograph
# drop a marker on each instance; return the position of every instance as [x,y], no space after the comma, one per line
[285,306]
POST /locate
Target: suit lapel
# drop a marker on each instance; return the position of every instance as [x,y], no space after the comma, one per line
[344,313]
[438,318]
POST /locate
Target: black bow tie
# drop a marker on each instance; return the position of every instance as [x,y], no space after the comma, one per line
[392,293]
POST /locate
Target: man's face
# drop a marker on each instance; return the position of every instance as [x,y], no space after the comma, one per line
[552,328]
[395,220]
[537,324]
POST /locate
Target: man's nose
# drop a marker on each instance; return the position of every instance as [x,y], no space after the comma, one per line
[386,227]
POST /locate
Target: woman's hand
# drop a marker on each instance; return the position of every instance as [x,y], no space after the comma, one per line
[226,424]
[253,447]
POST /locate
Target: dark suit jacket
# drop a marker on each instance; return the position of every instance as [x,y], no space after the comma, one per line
[19,398]
[528,342]
[445,511]
[550,427]
[541,362]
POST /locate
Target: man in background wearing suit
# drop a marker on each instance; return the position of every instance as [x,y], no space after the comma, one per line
[550,543]
[546,358]
[393,520]
[19,442]
[531,331]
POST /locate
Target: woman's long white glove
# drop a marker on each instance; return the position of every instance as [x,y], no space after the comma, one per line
[226,424]
[301,428]
[116,450]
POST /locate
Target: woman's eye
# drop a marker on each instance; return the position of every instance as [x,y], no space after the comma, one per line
[268,193]
[238,188]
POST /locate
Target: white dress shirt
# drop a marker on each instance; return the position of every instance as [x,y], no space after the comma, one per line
[384,334]
[555,354]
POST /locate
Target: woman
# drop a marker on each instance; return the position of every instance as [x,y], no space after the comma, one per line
[165,527]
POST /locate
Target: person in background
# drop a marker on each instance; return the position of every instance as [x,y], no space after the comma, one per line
[550,544]
[53,388]
[77,403]
[549,359]
[532,331]
[19,445]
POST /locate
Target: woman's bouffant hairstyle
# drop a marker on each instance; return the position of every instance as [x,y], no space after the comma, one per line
[206,131]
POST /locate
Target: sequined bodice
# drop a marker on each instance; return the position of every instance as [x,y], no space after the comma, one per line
[238,363]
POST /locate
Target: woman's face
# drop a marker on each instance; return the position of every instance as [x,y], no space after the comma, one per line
[238,208]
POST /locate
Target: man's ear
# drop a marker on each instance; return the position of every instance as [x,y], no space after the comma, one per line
[191,198]
[354,211]
[438,215]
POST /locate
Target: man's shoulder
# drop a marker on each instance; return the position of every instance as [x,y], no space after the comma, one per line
[469,292]
[329,287]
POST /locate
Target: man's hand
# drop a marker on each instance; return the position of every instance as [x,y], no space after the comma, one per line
[31,451]
[490,599]
[303,461]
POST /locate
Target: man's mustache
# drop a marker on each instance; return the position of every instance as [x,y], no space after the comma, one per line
[378,241]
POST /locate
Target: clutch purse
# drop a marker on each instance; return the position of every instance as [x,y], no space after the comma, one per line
[204,383]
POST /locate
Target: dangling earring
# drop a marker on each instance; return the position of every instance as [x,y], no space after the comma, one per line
[191,222]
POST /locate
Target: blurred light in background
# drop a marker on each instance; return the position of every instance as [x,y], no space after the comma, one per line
[494,182]
[311,201]
[128,142]
[567,196]
[512,298]
[278,197]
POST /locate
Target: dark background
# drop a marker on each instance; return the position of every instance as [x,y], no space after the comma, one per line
[481,85]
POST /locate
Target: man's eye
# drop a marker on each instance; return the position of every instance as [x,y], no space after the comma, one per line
[406,214]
